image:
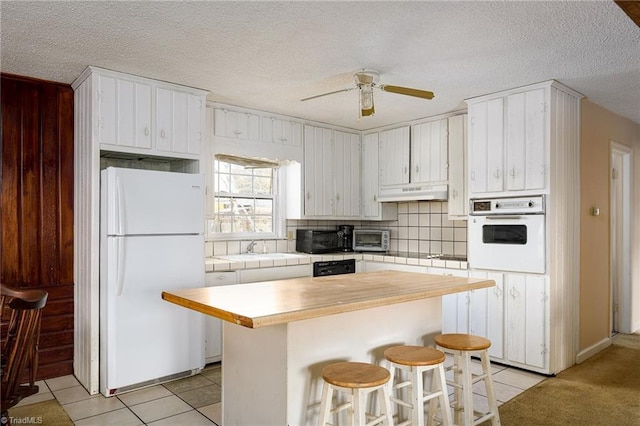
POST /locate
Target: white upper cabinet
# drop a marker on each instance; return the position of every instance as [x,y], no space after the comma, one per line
[429,154]
[509,141]
[142,116]
[281,131]
[124,112]
[178,121]
[526,164]
[486,146]
[331,173]
[346,155]
[318,171]
[372,209]
[458,204]
[394,148]
[236,124]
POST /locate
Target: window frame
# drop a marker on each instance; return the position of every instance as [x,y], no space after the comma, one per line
[277,203]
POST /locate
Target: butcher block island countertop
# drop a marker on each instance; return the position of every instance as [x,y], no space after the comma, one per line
[277,302]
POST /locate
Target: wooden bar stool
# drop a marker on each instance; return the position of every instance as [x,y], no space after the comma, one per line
[358,380]
[416,360]
[462,346]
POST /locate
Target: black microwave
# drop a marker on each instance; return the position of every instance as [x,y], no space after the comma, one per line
[313,241]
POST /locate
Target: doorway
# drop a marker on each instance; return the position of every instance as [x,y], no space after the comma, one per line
[620,232]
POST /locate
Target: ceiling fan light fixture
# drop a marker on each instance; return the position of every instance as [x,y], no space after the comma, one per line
[366,100]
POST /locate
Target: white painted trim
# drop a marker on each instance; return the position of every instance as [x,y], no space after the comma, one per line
[592,350]
[625,290]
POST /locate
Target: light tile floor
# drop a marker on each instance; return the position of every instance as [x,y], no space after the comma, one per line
[196,400]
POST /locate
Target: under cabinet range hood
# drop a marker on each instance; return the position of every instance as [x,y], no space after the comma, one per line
[413,192]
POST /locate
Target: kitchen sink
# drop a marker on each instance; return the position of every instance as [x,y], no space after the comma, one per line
[244,257]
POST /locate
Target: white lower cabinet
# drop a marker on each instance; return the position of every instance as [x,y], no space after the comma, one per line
[527,320]
[514,315]
[384,266]
[486,312]
[276,273]
[455,307]
[213,325]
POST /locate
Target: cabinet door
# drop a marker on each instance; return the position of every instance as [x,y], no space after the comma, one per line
[486,312]
[455,307]
[370,203]
[429,155]
[283,132]
[457,166]
[318,171]
[346,158]
[195,120]
[164,119]
[213,325]
[526,164]
[133,114]
[486,146]
[526,307]
[394,156]
[236,124]
[180,116]
[107,110]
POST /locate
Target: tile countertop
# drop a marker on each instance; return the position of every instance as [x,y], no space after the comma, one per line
[216,264]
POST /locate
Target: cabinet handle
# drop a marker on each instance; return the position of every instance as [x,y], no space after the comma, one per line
[146,131]
[404,170]
[497,291]
[162,134]
[512,172]
[514,293]
[496,174]
[473,175]
[308,195]
[375,198]
[417,168]
[219,277]
[454,193]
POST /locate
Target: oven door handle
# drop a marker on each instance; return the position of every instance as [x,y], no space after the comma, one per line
[510,217]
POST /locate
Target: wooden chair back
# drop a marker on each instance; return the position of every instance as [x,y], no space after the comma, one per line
[20,351]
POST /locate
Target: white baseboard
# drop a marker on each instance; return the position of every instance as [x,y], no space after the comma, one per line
[587,353]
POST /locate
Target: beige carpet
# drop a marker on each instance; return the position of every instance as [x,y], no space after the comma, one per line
[46,413]
[604,390]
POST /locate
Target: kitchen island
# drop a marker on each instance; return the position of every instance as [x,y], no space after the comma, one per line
[278,335]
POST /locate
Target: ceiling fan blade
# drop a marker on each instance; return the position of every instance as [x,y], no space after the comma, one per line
[425,94]
[327,94]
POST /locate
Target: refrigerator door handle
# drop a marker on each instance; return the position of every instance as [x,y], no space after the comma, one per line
[120,265]
[120,207]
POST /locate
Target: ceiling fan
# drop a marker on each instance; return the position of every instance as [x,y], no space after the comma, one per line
[366,81]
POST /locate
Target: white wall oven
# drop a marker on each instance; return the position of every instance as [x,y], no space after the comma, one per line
[507,234]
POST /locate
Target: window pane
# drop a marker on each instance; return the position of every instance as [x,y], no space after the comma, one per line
[244,199]
[264,224]
[239,170]
[262,185]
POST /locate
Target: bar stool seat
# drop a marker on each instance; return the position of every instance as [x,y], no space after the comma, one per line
[462,347]
[357,380]
[416,360]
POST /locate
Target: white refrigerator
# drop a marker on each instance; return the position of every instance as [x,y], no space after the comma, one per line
[151,239]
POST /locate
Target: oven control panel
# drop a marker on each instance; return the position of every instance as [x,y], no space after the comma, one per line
[516,205]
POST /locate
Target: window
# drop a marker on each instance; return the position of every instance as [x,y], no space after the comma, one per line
[244,200]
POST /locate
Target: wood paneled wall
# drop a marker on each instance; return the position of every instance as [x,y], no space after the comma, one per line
[36,206]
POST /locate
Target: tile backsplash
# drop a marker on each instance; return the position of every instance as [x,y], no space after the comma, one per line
[422,227]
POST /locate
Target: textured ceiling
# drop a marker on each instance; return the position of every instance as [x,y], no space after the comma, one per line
[269,55]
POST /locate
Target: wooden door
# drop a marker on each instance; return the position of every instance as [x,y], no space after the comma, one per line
[36,201]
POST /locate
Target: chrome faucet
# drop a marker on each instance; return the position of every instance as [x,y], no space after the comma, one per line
[250,246]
